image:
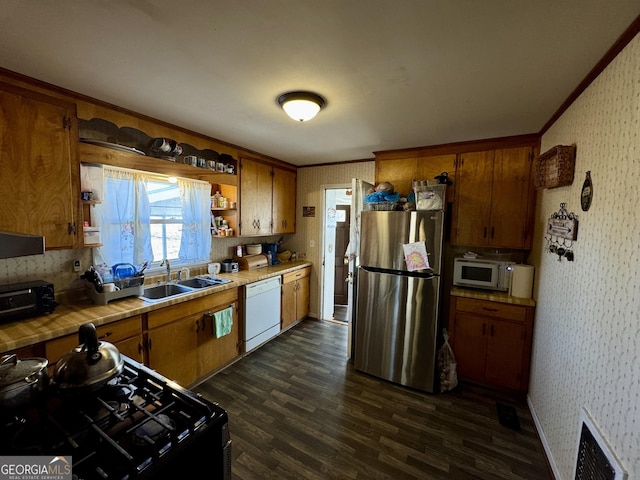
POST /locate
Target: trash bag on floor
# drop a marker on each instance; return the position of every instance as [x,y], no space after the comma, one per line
[447,365]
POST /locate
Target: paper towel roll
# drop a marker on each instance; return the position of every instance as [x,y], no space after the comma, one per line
[521,281]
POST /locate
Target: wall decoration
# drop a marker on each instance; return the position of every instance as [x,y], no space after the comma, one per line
[555,167]
[308,211]
[587,193]
[562,231]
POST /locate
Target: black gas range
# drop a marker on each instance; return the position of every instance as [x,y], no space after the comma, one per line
[139,425]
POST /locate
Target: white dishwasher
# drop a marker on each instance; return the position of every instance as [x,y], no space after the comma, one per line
[261,312]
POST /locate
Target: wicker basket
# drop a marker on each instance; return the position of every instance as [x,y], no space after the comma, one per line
[382,206]
[555,167]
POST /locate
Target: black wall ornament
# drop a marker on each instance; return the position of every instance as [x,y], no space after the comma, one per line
[587,193]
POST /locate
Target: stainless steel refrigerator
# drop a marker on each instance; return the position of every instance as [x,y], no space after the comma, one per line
[397,310]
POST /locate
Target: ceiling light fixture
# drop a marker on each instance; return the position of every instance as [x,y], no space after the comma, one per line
[301,106]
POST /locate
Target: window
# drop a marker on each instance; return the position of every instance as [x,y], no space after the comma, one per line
[166,219]
[145,217]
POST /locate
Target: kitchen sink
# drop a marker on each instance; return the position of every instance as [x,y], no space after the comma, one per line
[166,290]
[195,283]
[163,291]
[204,281]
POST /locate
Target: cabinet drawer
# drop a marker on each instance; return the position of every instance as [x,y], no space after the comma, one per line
[297,275]
[111,332]
[184,309]
[492,309]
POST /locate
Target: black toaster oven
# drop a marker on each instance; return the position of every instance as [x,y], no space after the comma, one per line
[26,299]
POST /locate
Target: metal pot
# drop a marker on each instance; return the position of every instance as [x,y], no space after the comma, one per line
[21,381]
[90,365]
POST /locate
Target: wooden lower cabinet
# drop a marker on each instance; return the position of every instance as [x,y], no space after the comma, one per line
[181,341]
[492,342]
[125,335]
[295,297]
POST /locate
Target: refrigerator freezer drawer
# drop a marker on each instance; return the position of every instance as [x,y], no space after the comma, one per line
[396,328]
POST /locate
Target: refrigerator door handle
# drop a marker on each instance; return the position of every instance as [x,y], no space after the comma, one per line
[403,273]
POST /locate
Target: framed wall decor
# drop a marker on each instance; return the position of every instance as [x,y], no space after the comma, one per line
[555,167]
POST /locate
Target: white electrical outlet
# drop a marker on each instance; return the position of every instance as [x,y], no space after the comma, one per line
[312,243]
[77,266]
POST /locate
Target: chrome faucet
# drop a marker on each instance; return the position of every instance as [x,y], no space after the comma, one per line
[166,263]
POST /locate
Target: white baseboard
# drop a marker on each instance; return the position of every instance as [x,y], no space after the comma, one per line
[543,439]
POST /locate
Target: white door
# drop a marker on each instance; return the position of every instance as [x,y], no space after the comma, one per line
[359,190]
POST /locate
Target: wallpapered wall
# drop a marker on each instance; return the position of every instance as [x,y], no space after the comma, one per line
[587,330]
[311,183]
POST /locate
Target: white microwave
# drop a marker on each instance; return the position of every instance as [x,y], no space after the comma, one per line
[480,273]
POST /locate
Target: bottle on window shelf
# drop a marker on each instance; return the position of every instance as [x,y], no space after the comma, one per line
[215,200]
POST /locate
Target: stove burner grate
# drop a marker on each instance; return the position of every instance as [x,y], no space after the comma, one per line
[123,430]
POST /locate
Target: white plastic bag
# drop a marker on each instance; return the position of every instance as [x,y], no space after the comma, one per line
[447,365]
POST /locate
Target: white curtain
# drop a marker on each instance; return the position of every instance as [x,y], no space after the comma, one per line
[195,197]
[124,219]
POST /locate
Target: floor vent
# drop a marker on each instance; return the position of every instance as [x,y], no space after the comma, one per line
[596,461]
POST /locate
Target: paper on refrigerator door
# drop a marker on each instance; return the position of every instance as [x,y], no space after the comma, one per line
[415,256]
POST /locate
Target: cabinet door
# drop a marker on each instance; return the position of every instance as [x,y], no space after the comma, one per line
[288,304]
[284,201]
[39,169]
[173,349]
[472,206]
[400,172]
[214,352]
[428,167]
[126,333]
[470,347]
[302,298]
[511,198]
[255,197]
[505,344]
[132,348]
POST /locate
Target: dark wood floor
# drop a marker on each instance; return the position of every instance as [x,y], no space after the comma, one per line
[298,410]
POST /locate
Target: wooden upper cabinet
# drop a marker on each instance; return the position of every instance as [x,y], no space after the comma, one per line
[513,198]
[494,199]
[39,180]
[256,197]
[284,201]
[401,171]
[267,198]
[472,206]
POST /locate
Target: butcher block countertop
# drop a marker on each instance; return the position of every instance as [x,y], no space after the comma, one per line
[67,317]
[492,296]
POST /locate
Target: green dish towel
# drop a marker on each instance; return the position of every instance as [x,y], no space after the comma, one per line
[224,322]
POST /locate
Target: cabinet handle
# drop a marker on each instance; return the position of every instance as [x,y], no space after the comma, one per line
[490,309]
[106,335]
[149,346]
[197,326]
[140,347]
[204,318]
[71,228]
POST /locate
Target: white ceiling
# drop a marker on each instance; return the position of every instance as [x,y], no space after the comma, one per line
[395,73]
